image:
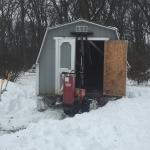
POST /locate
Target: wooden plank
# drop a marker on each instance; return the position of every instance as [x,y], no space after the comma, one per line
[96,47]
[115,56]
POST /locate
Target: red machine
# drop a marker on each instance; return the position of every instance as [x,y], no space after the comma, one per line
[68,89]
[74,99]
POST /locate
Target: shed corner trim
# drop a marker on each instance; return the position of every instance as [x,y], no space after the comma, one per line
[37,78]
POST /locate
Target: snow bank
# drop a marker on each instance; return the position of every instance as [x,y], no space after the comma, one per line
[18,107]
[17,99]
[119,125]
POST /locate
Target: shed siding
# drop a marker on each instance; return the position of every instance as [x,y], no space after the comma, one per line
[47,57]
[49,63]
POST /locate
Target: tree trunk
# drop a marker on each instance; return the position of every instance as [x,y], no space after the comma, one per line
[112,9]
[84,9]
[23,33]
[145,7]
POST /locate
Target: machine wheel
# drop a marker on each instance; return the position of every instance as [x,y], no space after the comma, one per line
[88,105]
[93,105]
[68,112]
[71,112]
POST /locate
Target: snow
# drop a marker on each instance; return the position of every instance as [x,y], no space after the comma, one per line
[123,124]
[19,105]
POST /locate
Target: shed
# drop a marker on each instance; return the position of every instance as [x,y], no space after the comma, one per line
[105,72]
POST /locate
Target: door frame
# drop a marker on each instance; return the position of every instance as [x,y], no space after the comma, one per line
[58,43]
[57,54]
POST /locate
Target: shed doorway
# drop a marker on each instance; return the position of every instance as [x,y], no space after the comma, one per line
[93,70]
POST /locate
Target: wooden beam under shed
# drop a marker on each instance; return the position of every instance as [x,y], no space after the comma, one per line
[92,43]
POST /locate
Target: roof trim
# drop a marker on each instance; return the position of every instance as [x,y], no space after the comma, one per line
[117,34]
[41,47]
[111,28]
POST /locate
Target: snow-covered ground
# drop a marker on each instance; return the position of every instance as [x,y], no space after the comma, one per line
[19,105]
[119,125]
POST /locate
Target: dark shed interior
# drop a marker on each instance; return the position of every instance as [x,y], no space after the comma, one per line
[93,73]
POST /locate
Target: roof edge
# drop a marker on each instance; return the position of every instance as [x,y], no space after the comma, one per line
[50,28]
[107,27]
[41,47]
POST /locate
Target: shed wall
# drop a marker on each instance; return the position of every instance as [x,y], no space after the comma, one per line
[47,57]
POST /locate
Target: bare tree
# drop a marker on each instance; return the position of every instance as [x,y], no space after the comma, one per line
[23,23]
[145,7]
[22,3]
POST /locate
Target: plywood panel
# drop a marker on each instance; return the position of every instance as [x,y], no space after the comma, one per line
[115,55]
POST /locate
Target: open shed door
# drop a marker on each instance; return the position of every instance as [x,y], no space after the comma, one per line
[115,57]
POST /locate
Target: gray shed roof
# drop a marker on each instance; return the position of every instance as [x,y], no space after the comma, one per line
[59,26]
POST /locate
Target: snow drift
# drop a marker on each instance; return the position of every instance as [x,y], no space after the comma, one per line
[119,125]
[19,105]
[17,99]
